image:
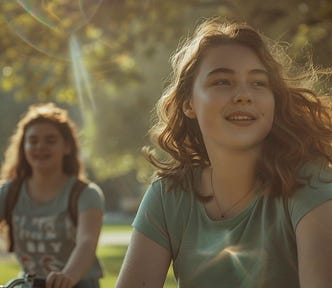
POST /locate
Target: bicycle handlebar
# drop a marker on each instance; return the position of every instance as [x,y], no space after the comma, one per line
[27,281]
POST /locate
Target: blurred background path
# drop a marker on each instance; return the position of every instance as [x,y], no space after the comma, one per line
[114,238]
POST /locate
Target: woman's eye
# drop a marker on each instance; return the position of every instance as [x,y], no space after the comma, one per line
[32,141]
[51,141]
[222,82]
[260,83]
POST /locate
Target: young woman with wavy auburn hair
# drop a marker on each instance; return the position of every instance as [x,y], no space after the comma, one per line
[41,172]
[16,165]
[244,198]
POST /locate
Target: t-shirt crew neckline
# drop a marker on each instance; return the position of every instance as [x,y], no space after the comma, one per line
[227,221]
[33,203]
[232,220]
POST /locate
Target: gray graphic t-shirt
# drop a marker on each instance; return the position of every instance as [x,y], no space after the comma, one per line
[44,234]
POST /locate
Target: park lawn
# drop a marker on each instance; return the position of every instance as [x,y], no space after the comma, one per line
[8,268]
[114,228]
[111,258]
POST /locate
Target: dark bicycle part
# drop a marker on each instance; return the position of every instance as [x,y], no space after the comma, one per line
[28,281]
[38,283]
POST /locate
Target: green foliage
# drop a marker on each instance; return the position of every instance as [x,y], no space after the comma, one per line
[109,60]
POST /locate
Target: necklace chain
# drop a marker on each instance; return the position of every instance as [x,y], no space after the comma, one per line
[224,214]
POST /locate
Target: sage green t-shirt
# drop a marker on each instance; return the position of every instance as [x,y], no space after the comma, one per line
[44,234]
[255,249]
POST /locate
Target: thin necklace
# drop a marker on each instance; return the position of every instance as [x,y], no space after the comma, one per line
[224,214]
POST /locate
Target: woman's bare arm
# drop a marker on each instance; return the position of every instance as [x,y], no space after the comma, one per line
[145,265]
[314,242]
[83,255]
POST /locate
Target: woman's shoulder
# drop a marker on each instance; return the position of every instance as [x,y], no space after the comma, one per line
[316,179]
[87,190]
[163,192]
[86,185]
[164,210]
[316,189]
[91,195]
[168,187]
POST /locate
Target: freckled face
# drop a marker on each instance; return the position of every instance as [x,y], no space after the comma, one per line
[232,98]
[44,147]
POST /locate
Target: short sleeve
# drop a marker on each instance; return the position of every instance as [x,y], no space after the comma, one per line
[92,197]
[150,218]
[311,196]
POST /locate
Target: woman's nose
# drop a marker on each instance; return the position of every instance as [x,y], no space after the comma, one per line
[40,145]
[242,94]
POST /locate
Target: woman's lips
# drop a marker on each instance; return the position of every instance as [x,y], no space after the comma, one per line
[241,118]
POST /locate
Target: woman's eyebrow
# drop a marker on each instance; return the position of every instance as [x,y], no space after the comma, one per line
[31,136]
[231,71]
[221,70]
[259,71]
[50,135]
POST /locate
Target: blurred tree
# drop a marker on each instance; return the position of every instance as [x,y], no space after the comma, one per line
[110,59]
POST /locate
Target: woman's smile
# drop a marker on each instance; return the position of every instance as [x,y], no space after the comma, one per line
[241,118]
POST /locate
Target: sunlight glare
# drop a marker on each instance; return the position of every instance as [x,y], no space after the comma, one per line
[81,76]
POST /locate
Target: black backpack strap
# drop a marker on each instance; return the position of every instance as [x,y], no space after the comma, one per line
[76,190]
[11,199]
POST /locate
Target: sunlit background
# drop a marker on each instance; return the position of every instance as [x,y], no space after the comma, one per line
[107,61]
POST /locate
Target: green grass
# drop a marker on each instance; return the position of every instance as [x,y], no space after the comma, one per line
[112,228]
[111,258]
[9,269]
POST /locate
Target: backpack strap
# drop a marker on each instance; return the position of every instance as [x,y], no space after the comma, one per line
[11,199]
[76,190]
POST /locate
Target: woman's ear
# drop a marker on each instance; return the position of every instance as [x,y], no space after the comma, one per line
[188,110]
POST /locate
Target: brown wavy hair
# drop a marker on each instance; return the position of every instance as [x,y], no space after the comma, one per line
[301,132]
[16,167]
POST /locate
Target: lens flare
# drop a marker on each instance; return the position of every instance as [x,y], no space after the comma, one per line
[81,76]
[44,24]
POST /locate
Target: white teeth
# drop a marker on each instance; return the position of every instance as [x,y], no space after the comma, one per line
[239,118]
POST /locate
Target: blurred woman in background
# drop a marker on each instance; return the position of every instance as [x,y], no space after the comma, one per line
[42,167]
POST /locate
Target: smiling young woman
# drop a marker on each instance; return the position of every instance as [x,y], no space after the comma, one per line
[42,166]
[244,199]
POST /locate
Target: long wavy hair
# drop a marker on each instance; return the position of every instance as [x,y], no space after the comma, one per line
[301,132]
[16,167]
